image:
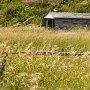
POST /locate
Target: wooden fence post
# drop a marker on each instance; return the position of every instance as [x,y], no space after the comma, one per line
[3,64]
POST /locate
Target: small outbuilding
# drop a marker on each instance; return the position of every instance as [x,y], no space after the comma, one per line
[66,19]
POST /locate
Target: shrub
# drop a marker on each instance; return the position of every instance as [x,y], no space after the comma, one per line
[66,8]
[82,8]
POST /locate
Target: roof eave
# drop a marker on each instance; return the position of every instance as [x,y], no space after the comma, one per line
[49,16]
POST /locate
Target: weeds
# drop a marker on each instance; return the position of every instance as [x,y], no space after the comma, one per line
[44,72]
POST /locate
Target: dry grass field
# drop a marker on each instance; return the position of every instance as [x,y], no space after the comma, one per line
[23,35]
[45,72]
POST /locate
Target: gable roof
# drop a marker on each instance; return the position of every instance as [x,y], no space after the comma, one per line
[53,15]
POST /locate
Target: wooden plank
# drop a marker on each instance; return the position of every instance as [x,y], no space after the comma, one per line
[71,22]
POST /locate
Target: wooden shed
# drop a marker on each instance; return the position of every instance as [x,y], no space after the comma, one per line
[66,19]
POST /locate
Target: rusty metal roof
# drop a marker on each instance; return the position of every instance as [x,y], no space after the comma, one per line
[53,15]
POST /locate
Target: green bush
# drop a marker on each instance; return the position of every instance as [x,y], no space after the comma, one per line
[82,8]
[16,11]
[65,8]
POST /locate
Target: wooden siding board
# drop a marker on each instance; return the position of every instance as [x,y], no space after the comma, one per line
[71,22]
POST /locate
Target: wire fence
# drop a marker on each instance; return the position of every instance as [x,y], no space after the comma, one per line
[73,53]
[5,55]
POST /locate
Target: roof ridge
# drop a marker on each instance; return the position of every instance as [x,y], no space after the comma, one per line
[69,12]
[52,15]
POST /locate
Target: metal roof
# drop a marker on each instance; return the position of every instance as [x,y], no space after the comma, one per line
[53,15]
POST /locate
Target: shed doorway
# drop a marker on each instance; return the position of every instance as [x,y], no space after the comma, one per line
[50,23]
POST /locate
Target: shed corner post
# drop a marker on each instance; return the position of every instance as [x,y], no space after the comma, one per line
[46,23]
[53,23]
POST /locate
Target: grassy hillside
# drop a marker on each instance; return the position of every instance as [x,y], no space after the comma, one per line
[44,72]
[32,11]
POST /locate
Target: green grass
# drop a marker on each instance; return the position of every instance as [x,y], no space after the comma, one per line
[45,72]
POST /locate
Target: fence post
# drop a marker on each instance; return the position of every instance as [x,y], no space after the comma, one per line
[3,63]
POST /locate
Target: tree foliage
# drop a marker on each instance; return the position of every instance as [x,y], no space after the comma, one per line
[33,11]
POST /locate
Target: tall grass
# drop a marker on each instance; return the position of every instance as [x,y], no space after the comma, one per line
[23,35]
[45,72]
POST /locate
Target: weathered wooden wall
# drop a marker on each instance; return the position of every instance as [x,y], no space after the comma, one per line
[61,23]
